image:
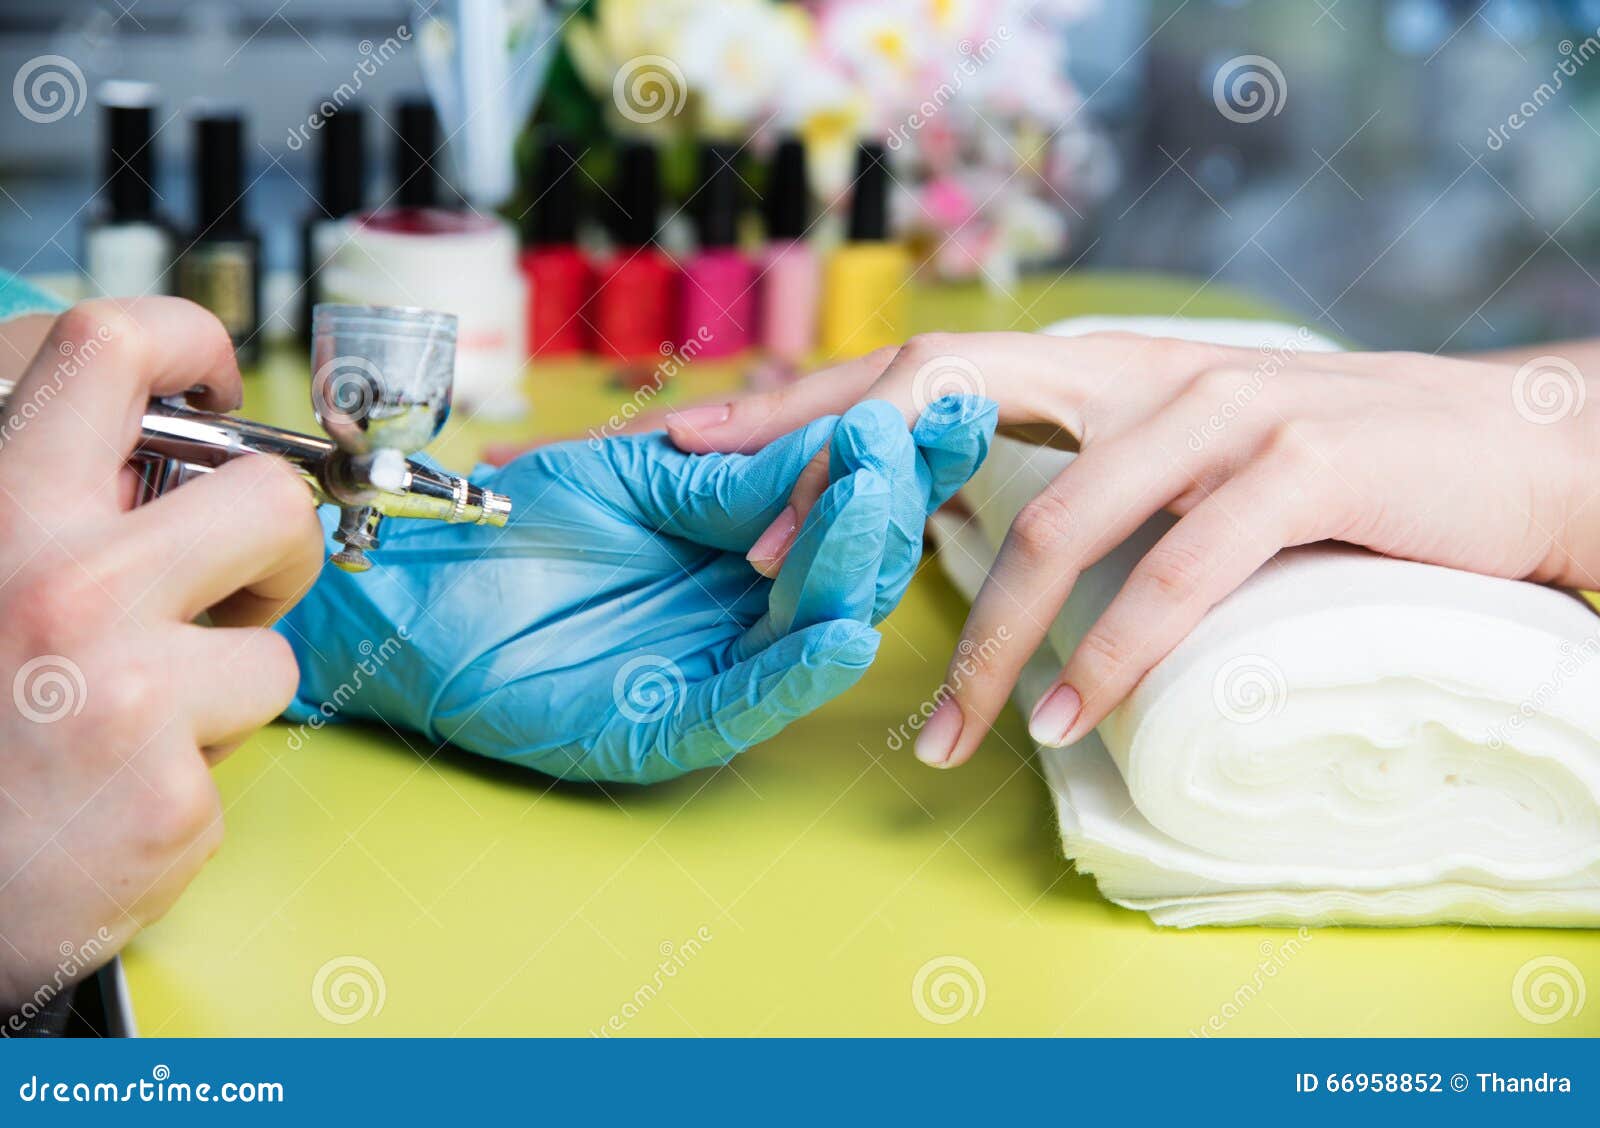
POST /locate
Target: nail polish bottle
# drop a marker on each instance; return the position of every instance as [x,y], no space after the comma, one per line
[557,273]
[789,270]
[221,268]
[127,247]
[341,175]
[636,286]
[718,303]
[415,154]
[864,285]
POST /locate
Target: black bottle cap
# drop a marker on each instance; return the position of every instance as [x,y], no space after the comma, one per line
[638,194]
[554,218]
[416,181]
[219,171]
[342,163]
[129,153]
[787,191]
[869,201]
[717,204]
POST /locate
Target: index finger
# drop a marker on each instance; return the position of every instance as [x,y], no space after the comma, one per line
[74,415]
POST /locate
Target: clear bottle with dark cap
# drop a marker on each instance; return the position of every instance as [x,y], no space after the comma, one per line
[341,182]
[864,288]
[221,267]
[416,152]
[127,245]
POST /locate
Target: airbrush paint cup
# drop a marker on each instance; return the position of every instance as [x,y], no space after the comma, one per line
[381,375]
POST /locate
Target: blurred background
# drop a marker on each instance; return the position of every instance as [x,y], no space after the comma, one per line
[1407,173]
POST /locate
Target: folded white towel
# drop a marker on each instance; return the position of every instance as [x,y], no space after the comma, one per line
[1346,738]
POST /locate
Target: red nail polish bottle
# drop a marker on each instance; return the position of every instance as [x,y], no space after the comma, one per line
[558,275]
[636,287]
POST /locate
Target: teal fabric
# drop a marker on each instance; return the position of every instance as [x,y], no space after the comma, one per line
[18,298]
[614,629]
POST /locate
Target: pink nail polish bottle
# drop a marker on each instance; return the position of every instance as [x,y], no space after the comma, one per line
[718,297]
[790,271]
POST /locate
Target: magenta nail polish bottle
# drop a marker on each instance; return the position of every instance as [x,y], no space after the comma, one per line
[718,306]
[790,272]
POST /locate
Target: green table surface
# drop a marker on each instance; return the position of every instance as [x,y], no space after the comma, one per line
[371,883]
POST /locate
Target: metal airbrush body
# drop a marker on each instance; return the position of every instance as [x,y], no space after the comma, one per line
[381,380]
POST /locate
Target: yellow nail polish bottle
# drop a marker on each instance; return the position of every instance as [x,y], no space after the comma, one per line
[865,283]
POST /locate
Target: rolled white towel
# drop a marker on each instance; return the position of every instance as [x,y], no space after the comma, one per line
[1346,738]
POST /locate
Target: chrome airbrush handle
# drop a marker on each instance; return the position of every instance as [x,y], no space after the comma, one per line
[177,441]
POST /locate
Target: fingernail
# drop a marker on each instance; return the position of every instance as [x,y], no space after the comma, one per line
[938,737]
[770,546]
[694,418]
[1053,716]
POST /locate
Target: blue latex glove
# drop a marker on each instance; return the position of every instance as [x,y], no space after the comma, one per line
[614,630]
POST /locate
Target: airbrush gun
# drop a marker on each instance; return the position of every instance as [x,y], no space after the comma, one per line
[380,386]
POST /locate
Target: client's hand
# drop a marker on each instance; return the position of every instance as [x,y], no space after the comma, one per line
[614,629]
[1423,457]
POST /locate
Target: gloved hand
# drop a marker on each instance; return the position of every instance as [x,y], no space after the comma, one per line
[613,630]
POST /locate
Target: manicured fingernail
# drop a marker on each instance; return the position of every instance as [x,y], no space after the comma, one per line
[767,553]
[938,737]
[1053,716]
[695,418]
